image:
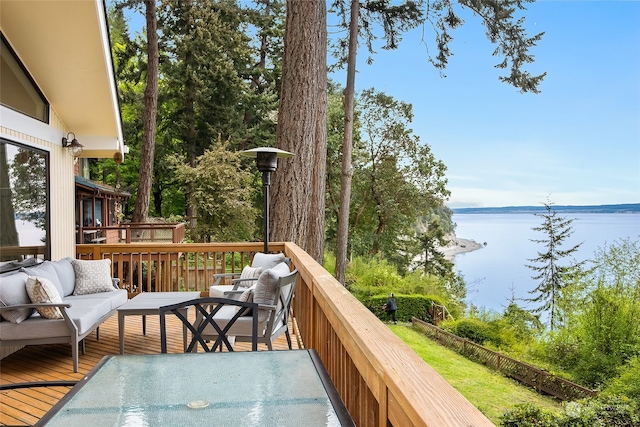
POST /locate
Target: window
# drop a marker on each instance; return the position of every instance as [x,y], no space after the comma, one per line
[24,202]
[17,89]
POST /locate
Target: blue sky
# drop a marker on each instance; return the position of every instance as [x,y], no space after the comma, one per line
[578,141]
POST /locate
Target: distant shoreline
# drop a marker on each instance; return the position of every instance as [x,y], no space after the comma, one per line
[595,209]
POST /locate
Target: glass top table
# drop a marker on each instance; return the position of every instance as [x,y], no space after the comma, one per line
[263,388]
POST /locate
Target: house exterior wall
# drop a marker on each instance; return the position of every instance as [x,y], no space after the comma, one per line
[48,137]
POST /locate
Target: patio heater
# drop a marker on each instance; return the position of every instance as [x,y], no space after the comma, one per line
[267,162]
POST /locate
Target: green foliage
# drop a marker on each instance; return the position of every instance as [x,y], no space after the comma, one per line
[602,330]
[604,412]
[222,190]
[627,383]
[474,330]
[391,167]
[409,306]
[528,415]
[430,239]
[371,277]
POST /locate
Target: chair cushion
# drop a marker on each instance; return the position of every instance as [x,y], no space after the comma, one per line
[266,261]
[45,270]
[265,292]
[249,273]
[92,276]
[14,292]
[219,291]
[42,290]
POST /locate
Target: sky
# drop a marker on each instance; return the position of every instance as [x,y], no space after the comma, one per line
[577,142]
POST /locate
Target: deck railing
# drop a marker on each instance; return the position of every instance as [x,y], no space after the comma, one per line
[382,381]
[132,232]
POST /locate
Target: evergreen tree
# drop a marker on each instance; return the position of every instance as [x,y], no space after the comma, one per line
[430,240]
[552,275]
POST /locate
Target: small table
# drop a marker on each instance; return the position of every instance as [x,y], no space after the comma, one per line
[149,303]
[260,388]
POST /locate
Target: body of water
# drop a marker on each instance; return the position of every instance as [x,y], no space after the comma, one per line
[499,270]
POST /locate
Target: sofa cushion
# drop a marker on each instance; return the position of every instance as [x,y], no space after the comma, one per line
[92,276]
[66,275]
[84,313]
[41,290]
[47,271]
[116,298]
[14,292]
[266,261]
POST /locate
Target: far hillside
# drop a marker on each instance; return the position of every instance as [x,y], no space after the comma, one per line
[599,209]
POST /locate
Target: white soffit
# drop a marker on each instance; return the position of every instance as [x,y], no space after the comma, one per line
[65,47]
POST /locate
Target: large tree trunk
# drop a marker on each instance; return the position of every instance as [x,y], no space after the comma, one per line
[141,209]
[298,189]
[347,148]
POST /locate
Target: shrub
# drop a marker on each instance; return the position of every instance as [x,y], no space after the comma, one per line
[528,415]
[474,330]
[604,412]
[627,383]
[409,306]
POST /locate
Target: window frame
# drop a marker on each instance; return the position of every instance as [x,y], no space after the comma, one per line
[5,45]
[47,204]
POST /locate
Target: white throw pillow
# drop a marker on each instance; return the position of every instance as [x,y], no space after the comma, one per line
[41,290]
[249,273]
[92,276]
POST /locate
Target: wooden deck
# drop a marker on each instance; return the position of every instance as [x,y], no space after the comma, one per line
[53,362]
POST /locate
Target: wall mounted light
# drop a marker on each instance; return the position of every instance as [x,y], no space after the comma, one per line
[72,145]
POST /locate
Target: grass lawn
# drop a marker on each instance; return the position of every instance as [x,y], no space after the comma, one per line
[487,390]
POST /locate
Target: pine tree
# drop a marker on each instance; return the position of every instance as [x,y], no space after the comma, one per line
[552,275]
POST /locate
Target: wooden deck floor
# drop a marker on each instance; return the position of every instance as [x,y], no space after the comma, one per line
[53,362]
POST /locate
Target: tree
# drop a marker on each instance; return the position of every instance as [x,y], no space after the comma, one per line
[395,19]
[391,168]
[222,191]
[347,148]
[430,240]
[298,188]
[141,209]
[218,81]
[552,275]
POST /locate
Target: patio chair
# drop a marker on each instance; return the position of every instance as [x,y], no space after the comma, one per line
[247,278]
[240,317]
[273,294]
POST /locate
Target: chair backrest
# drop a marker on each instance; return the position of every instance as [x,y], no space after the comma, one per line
[206,310]
[279,318]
